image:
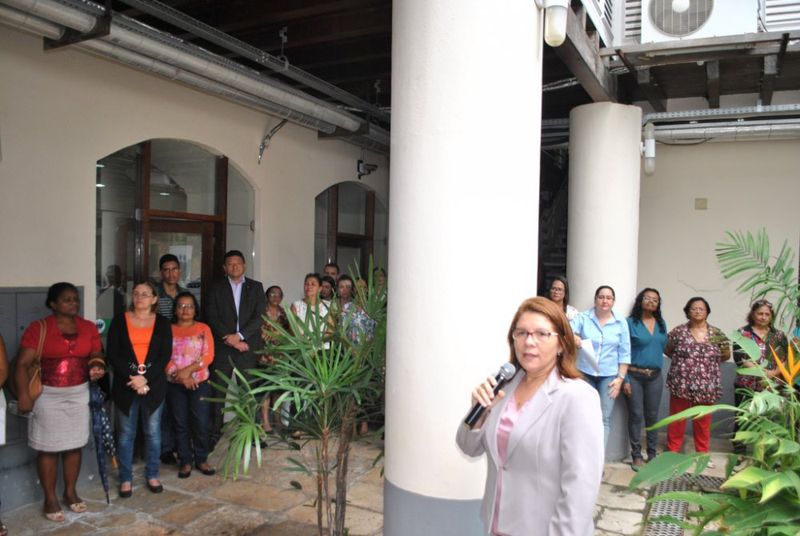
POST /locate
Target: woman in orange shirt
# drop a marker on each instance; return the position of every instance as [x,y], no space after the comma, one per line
[139,348]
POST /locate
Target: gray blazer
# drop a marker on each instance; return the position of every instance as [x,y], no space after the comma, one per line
[554,462]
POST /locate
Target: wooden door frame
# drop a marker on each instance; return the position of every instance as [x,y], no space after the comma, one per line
[144,217]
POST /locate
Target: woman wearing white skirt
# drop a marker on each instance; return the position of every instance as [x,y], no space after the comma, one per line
[59,422]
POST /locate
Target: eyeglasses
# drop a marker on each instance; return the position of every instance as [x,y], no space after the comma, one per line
[539,335]
[142,295]
[185,306]
[650,300]
[698,310]
[762,303]
[556,289]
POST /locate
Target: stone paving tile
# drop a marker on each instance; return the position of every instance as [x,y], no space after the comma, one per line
[259,496]
[185,513]
[620,498]
[367,496]
[228,521]
[284,528]
[620,521]
[115,519]
[73,529]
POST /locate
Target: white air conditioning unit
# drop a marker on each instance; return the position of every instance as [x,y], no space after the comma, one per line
[670,20]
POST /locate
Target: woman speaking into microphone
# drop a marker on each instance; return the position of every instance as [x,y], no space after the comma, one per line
[542,433]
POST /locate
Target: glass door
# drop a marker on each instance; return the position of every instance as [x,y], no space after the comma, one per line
[190,241]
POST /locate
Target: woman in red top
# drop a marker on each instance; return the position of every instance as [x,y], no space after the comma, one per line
[59,424]
[139,348]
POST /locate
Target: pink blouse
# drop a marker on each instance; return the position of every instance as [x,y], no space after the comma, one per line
[507,421]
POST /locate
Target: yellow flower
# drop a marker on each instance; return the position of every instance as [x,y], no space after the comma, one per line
[792,367]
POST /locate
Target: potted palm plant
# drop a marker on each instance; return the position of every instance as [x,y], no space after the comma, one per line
[330,369]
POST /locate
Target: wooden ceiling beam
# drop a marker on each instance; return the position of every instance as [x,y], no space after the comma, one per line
[649,87]
[768,75]
[283,15]
[712,83]
[581,56]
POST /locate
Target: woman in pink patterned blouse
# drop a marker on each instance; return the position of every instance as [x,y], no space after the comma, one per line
[187,372]
[696,350]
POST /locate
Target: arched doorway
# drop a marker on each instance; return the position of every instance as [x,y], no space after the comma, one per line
[351,225]
[167,196]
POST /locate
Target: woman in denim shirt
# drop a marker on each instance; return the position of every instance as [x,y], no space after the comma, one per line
[611,343]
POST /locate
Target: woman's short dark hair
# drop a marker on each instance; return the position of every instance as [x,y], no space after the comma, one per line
[636,311]
[601,287]
[693,299]
[185,294]
[758,304]
[56,290]
[566,289]
[566,362]
[313,275]
[328,279]
[271,288]
[345,277]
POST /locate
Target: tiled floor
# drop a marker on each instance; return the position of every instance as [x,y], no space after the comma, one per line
[262,503]
[266,503]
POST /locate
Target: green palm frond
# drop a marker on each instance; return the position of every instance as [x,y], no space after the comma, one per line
[749,257]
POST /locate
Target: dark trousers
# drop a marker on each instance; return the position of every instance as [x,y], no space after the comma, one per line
[167,431]
[643,407]
[190,420]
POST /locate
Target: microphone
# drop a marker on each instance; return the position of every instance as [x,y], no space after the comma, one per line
[504,375]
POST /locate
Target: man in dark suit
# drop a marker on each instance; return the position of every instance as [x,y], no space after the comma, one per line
[233,311]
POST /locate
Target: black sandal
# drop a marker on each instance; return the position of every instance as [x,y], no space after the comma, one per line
[187,473]
[206,469]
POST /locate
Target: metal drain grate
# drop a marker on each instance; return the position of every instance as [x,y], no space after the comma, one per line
[676,509]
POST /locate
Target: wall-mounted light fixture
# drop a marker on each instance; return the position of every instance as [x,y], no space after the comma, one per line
[555,20]
[649,149]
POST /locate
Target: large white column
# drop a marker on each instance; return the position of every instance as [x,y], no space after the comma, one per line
[603,235]
[464,197]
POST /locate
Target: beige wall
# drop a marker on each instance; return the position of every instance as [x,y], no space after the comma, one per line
[748,185]
[61,111]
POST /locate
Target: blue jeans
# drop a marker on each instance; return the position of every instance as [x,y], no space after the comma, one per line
[643,409]
[190,416]
[601,383]
[126,424]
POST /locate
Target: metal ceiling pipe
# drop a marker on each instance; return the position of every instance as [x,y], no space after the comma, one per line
[17,19]
[211,34]
[198,62]
[764,130]
[721,113]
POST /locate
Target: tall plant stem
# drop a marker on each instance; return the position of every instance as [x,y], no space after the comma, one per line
[325,441]
[320,497]
[342,456]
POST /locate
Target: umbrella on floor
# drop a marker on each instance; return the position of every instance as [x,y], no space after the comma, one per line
[103,437]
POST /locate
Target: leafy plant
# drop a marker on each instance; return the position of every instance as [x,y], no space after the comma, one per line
[329,367]
[761,493]
[747,255]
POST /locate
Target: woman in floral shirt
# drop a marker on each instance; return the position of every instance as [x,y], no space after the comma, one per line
[760,330]
[696,350]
